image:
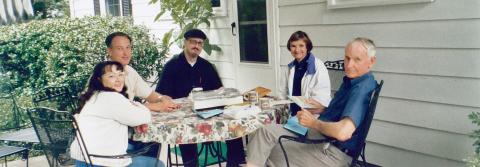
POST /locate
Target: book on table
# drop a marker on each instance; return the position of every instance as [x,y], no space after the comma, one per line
[294,126]
[209,113]
[216,98]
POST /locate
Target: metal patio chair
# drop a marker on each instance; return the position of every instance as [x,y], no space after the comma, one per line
[55,133]
[360,150]
[56,97]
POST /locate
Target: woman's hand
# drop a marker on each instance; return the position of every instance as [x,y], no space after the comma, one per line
[305,118]
[142,128]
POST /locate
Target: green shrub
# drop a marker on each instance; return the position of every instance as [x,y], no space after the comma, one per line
[63,51]
[474,161]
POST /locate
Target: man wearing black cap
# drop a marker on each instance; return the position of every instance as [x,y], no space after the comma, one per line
[186,71]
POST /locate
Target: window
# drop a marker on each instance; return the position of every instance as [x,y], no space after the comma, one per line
[216,3]
[113,7]
[334,4]
[219,7]
[252,20]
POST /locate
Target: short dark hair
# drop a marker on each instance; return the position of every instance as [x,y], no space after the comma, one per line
[195,33]
[95,82]
[109,39]
[300,35]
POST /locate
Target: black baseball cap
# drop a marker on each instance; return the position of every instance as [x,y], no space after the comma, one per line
[195,33]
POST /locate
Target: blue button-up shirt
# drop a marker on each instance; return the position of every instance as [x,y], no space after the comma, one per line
[351,100]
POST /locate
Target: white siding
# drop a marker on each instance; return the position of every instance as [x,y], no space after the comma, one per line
[428,56]
[80,8]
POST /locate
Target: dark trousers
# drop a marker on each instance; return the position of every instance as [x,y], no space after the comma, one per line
[152,152]
[235,153]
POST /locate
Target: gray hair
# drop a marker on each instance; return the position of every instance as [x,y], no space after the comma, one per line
[367,43]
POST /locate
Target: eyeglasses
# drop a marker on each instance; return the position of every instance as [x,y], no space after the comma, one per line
[195,42]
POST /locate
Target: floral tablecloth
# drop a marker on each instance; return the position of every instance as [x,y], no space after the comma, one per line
[184,126]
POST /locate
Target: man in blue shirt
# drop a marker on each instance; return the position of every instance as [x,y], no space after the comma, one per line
[340,120]
[186,71]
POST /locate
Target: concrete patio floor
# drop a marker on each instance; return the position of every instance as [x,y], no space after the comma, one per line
[41,161]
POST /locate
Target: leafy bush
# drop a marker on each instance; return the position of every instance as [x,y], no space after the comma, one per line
[64,51]
[474,161]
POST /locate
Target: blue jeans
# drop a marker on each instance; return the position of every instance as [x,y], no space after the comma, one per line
[137,161]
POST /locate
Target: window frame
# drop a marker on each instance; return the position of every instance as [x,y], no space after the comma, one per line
[338,4]
[222,10]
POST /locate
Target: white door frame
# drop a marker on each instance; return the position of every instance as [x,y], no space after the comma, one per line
[273,36]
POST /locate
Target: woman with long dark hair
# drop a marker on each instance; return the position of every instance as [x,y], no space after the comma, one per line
[104,115]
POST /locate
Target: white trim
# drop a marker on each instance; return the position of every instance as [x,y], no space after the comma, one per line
[222,10]
[335,4]
[103,8]
[275,54]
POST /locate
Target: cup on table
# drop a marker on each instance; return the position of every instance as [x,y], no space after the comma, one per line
[251,96]
[265,103]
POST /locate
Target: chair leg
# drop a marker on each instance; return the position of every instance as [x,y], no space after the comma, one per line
[219,154]
[207,148]
[284,152]
[169,157]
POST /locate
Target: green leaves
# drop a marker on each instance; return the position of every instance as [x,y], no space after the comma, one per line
[187,14]
[475,117]
[52,52]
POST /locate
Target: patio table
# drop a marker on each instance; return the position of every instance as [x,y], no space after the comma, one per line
[184,126]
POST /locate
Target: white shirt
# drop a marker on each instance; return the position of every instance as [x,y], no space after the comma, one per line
[316,85]
[136,86]
[103,123]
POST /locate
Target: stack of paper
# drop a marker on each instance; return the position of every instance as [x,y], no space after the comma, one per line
[237,112]
[300,101]
[216,98]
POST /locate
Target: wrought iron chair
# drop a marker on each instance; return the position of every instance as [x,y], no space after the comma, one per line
[57,97]
[87,157]
[360,150]
[55,133]
[336,73]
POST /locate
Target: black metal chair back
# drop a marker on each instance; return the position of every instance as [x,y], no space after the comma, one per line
[365,126]
[56,97]
[336,73]
[55,133]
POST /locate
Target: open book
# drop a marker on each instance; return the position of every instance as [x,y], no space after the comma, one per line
[300,101]
[293,125]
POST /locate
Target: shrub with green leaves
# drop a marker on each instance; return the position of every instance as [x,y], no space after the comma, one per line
[64,51]
[474,161]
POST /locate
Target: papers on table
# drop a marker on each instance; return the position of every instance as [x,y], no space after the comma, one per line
[237,112]
[300,101]
[293,125]
[209,113]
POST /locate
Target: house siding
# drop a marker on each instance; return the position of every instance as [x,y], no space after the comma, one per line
[428,55]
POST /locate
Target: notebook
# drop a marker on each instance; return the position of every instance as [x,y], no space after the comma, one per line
[293,125]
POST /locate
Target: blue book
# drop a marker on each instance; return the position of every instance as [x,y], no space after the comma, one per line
[209,113]
[293,125]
